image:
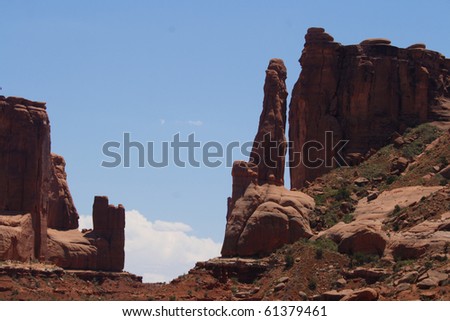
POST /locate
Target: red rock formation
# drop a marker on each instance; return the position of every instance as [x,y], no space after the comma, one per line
[262,215]
[62,214]
[99,249]
[25,167]
[266,163]
[109,231]
[269,147]
[16,237]
[362,93]
[38,219]
[265,218]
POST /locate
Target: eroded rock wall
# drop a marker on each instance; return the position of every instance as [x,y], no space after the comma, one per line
[361,93]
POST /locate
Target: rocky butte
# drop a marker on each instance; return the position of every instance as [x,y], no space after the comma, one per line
[38,219]
[361,93]
[364,93]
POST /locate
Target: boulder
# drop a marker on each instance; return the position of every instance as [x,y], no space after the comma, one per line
[361,181]
[399,142]
[410,277]
[370,275]
[335,295]
[71,250]
[366,294]
[399,165]
[266,218]
[417,46]
[376,41]
[402,287]
[445,172]
[427,284]
[358,237]
[16,237]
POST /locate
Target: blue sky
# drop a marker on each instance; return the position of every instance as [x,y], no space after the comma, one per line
[157,68]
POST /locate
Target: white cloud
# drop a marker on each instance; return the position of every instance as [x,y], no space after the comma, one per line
[162,121]
[160,251]
[85,221]
[195,122]
[163,226]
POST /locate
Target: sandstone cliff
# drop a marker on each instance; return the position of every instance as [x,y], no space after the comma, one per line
[361,93]
[364,94]
[25,167]
[38,219]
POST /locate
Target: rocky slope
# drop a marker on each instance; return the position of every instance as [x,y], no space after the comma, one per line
[367,94]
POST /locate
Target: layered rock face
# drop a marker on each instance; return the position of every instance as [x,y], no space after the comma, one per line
[361,93]
[25,166]
[262,214]
[38,219]
[99,249]
[109,231]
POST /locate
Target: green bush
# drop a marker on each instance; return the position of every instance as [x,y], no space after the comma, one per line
[363,258]
[397,209]
[288,260]
[391,179]
[424,135]
[342,194]
[312,284]
[323,244]
[399,264]
[319,254]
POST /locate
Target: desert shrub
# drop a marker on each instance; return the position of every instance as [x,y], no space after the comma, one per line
[363,258]
[320,199]
[324,244]
[397,209]
[319,254]
[342,194]
[288,260]
[424,135]
[428,265]
[391,179]
[312,284]
[399,264]
[347,218]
